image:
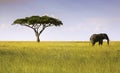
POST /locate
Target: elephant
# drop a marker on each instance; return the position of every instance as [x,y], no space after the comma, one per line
[99,38]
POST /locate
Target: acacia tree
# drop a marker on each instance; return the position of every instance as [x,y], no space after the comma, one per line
[38,23]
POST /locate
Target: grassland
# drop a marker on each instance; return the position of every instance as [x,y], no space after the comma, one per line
[59,57]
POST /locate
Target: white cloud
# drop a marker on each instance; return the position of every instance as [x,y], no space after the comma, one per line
[5,26]
[2,26]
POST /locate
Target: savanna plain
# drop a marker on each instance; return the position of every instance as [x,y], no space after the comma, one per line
[59,57]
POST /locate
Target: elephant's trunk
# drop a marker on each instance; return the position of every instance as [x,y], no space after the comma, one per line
[108,41]
[107,38]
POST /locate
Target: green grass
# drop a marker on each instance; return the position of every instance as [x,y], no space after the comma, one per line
[59,57]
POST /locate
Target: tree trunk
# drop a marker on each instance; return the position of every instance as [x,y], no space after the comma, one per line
[37,33]
[38,38]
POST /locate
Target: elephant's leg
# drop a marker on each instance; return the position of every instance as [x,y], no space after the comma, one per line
[100,42]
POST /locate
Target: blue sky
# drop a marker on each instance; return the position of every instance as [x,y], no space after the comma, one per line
[80,18]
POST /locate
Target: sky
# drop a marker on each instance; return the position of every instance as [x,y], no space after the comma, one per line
[81,19]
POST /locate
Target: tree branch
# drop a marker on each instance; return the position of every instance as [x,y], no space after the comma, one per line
[29,26]
[48,25]
[43,28]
